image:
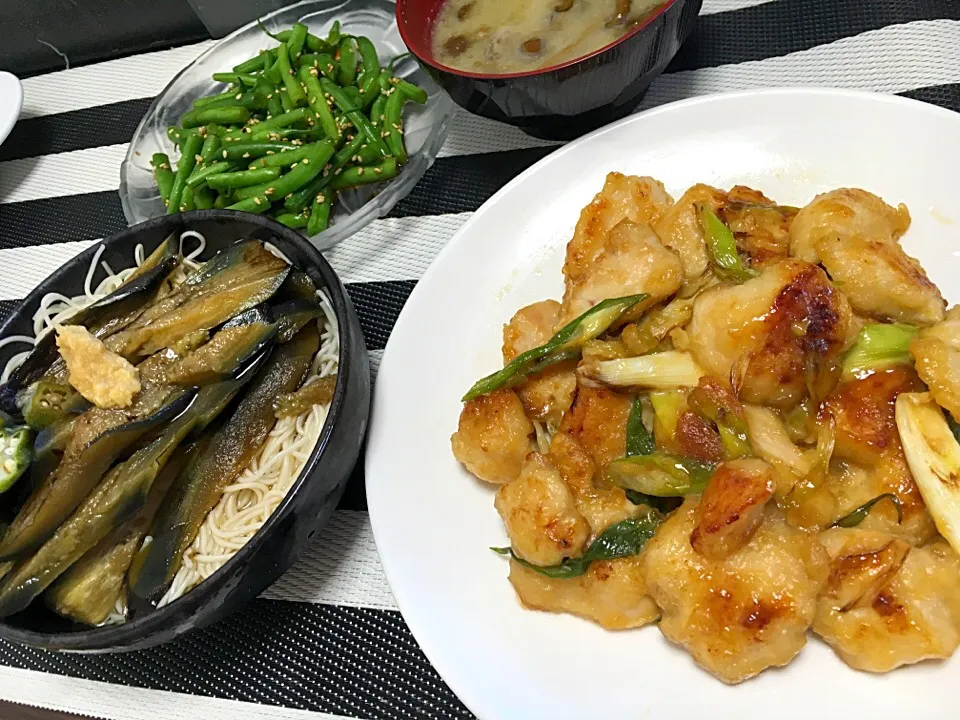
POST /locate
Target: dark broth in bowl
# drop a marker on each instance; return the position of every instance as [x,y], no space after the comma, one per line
[499,37]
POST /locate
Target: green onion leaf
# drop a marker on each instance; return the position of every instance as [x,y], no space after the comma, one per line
[860,514]
[878,347]
[565,345]
[659,474]
[624,539]
[722,246]
[639,440]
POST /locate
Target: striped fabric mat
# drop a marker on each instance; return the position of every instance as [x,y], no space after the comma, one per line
[327,640]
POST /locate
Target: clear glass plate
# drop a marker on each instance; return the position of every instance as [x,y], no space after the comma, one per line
[425,126]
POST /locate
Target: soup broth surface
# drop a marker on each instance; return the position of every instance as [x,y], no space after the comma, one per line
[509,36]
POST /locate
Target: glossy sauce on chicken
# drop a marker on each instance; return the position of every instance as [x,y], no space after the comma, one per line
[492,36]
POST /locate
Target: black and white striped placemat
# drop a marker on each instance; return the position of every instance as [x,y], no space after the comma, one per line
[327,641]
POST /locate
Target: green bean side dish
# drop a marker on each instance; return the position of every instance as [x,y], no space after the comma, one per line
[298,124]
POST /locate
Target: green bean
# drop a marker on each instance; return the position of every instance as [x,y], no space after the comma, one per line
[354,115]
[316,45]
[274,106]
[285,102]
[283,159]
[292,221]
[163,175]
[278,134]
[378,110]
[393,125]
[348,62]
[369,91]
[203,197]
[395,60]
[305,171]
[186,200]
[256,205]
[254,63]
[300,199]
[369,62]
[235,78]
[243,178]
[223,115]
[323,63]
[200,175]
[351,177]
[294,91]
[298,36]
[333,38]
[244,150]
[214,100]
[280,36]
[221,202]
[366,156]
[411,91]
[208,151]
[287,119]
[174,134]
[318,103]
[188,160]
[319,218]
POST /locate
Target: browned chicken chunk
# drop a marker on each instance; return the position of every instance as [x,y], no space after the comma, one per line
[541,515]
[632,261]
[886,603]
[732,507]
[494,436]
[764,334]
[739,616]
[855,235]
[642,200]
[546,396]
[611,593]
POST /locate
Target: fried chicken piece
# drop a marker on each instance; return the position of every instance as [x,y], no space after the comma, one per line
[855,236]
[888,604]
[732,507]
[611,593]
[641,200]
[761,336]
[632,261]
[546,396]
[493,437]
[680,229]
[761,227]
[541,515]
[598,421]
[601,505]
[739,616]
[866,426]
[746,613]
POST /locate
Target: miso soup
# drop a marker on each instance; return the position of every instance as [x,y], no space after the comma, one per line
[509,36]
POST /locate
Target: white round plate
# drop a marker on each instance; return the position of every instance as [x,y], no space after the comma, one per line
[434,523]
[11,98]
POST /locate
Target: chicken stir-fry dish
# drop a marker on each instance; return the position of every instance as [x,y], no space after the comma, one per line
[740,423]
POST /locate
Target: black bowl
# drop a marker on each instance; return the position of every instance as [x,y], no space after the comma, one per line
[567,100]
[310,501]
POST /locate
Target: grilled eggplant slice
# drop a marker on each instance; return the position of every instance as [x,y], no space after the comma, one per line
[99,438]
[112,313]
[200,487]
[239,341]
[233,281]
[88,591]
[116,499]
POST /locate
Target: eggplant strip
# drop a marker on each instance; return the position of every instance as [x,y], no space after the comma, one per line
[200,487]
[100,438]
[118,497]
